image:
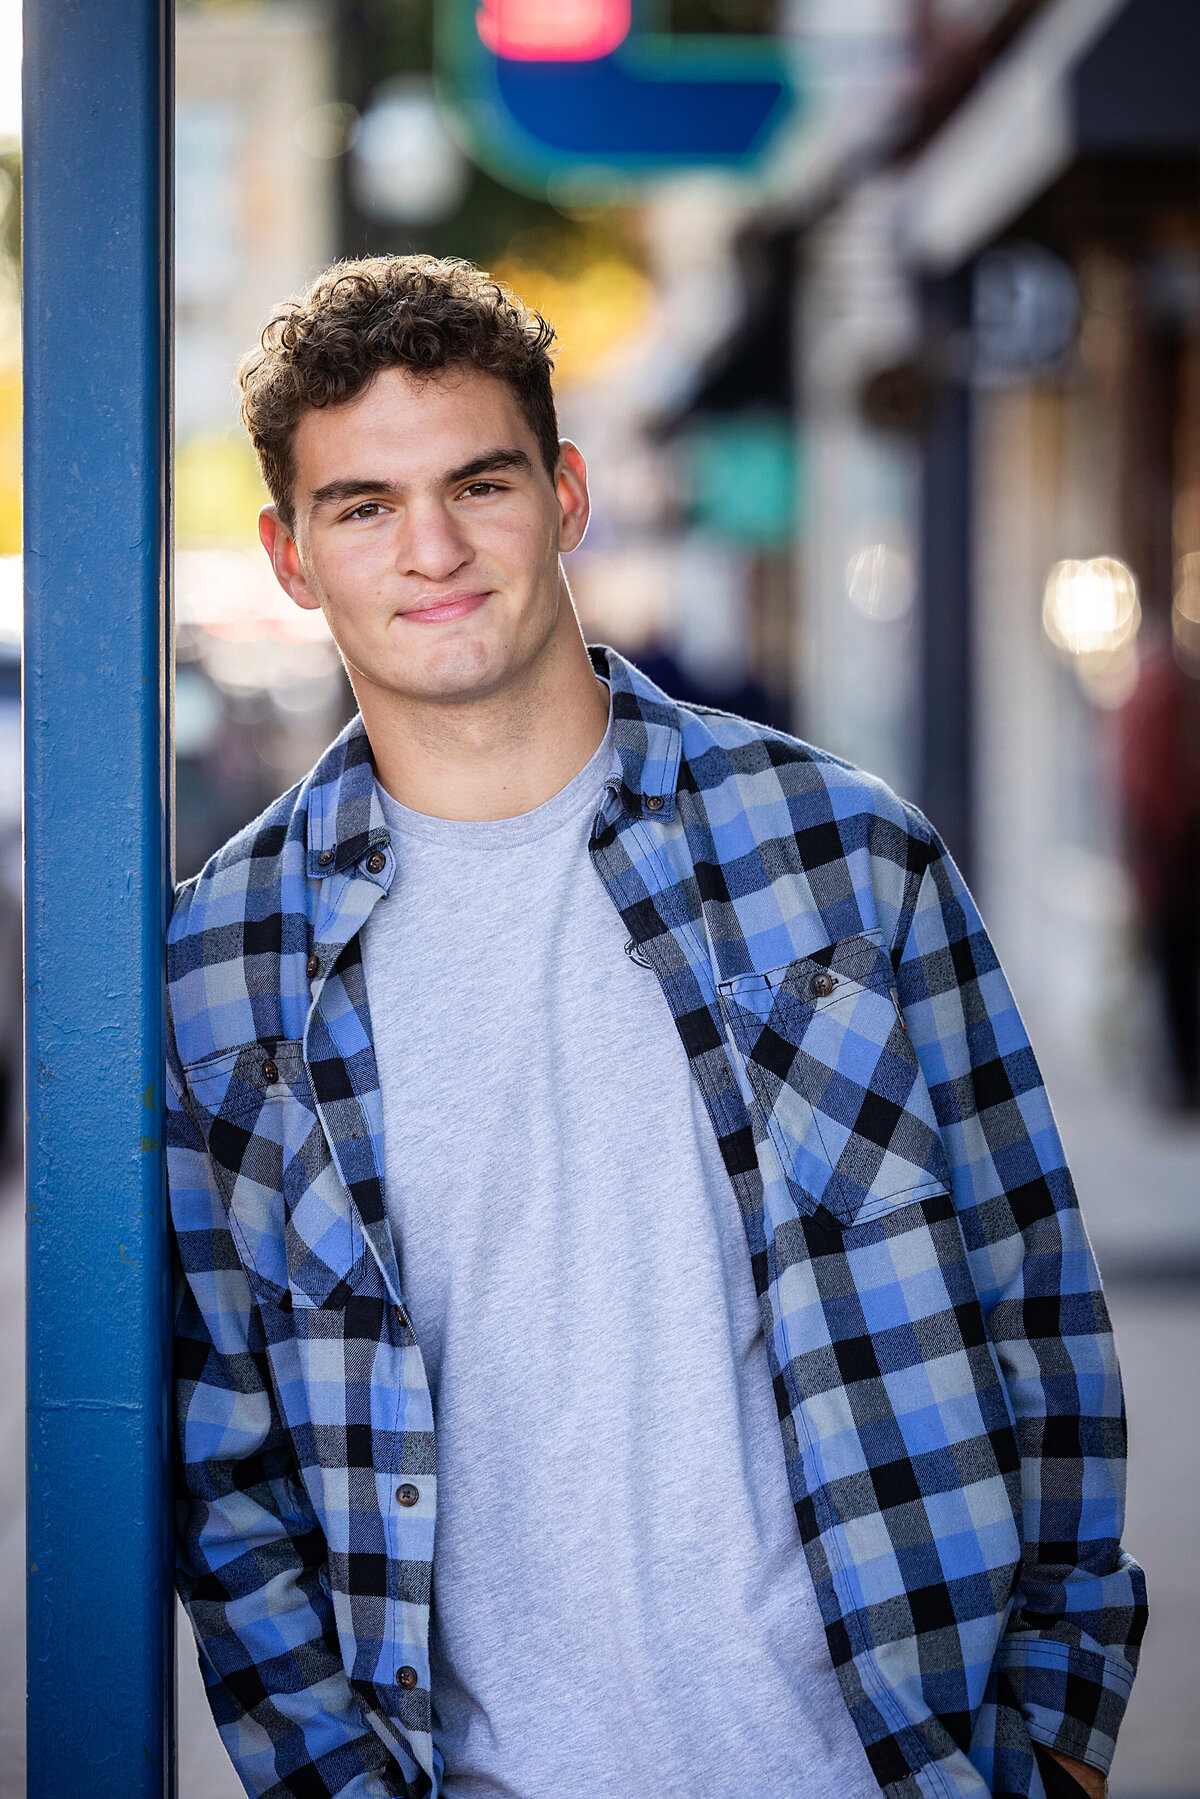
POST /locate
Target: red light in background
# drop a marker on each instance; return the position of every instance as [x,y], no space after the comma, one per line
[553,30]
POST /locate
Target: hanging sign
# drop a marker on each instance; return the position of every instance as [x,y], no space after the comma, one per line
[574,95]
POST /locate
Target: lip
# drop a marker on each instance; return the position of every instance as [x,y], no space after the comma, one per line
[436,612]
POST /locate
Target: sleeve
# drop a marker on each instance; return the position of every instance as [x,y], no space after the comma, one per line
[251,1553]
[1070,1650]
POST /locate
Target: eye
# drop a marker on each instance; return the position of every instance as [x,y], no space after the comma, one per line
[482,487]
[366,509]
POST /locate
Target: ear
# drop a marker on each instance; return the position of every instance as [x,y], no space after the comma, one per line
[571,487]
[280,546]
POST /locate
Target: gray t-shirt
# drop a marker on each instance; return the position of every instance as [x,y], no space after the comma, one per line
[621,1602]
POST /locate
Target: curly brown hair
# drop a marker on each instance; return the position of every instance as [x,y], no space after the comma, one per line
[421,313]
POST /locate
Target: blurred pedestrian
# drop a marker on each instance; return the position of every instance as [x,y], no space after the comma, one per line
[1159,744]
[600,1125]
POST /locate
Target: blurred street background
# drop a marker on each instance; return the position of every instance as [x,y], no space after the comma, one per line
[892,409]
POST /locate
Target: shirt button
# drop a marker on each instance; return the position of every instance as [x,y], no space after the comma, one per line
[406,1678]
[654,803]
[312,967]
[376,862]
[325,858]
[407,1495]
[270,1070]
[821,986]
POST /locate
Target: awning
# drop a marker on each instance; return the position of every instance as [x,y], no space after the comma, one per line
[1099,77]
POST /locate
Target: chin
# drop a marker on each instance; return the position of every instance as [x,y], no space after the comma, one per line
[457,668]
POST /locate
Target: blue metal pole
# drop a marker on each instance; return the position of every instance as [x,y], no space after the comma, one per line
[96,322]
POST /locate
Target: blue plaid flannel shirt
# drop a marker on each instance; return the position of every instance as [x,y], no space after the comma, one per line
[948,1395]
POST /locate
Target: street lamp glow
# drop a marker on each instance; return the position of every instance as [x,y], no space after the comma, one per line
[405,166]
[1091,608]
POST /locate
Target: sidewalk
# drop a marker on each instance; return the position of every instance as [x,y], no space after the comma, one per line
[1138,1179]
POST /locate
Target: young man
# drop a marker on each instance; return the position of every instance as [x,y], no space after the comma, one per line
[601,1125]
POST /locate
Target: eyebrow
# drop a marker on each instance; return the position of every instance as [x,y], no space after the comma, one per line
[335,493]
[491,462]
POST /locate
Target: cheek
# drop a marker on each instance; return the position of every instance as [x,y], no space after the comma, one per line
[519,544]
[353,577]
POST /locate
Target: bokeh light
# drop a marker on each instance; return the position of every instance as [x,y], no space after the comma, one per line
[879,582]
[1091,607]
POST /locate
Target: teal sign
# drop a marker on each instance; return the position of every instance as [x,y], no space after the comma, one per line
[740,477]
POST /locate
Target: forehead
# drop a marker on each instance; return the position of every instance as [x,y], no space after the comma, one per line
[409,427]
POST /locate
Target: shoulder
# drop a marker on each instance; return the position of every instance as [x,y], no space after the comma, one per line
[824,836]
[784,783]
[264,868]
[771,783]
[238,939]
[245,872]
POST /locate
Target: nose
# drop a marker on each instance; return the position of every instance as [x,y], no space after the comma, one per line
[433,547]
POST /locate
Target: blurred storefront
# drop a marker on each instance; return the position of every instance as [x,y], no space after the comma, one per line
[1048,204]
[992,373]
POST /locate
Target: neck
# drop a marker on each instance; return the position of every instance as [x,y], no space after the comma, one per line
[494,757]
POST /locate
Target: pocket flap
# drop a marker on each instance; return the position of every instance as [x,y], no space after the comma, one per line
[237,1081]
[293,1221]
[842,1095]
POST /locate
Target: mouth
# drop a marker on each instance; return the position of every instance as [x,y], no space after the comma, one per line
[450,606]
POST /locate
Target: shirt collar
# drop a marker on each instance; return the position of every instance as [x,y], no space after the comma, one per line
[345,818]
[647,739]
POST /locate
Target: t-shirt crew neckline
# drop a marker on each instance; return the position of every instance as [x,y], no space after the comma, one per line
[562,808]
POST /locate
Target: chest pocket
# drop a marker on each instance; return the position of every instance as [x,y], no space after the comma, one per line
[291,1217]
[837,1080]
